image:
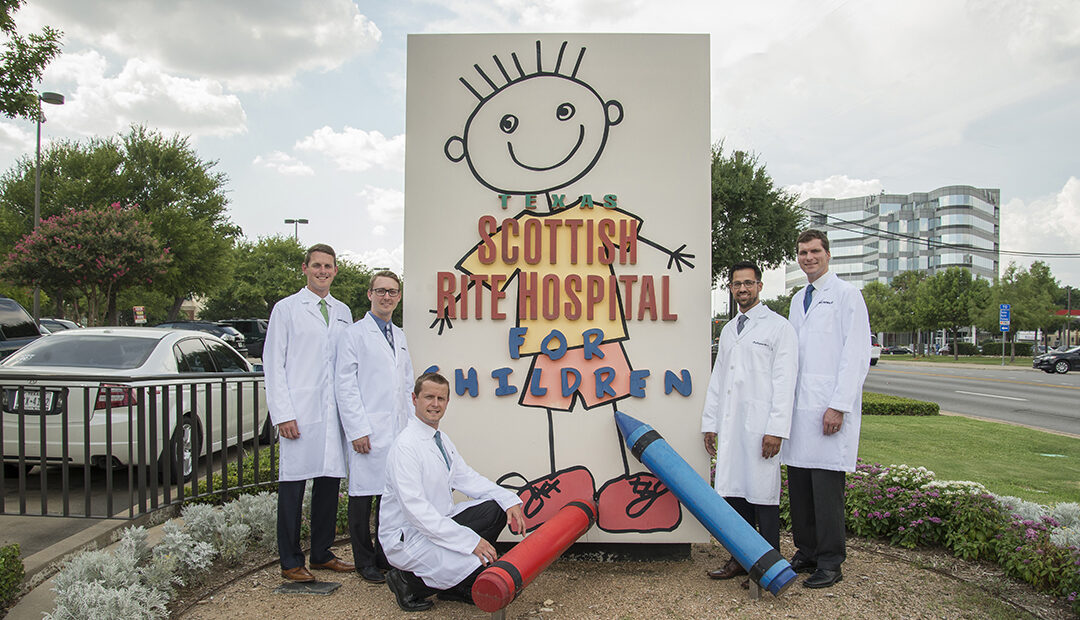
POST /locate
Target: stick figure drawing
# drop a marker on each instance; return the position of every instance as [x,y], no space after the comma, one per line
[538,127]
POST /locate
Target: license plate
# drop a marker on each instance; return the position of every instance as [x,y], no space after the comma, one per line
[32,400]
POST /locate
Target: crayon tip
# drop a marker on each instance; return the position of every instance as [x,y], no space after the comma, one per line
[627,424]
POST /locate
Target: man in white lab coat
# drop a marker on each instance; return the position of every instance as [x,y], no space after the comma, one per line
[374,384]
[830,318]
[747,412]
[435,545]
[298,362]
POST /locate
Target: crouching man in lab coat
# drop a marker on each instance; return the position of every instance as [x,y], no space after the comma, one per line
[830,318]
[747,411]
[374,385]
[435,545]
[299,367]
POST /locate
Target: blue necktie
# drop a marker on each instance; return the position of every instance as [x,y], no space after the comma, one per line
[438,442]
[388,332]
[741,323]
[808,297]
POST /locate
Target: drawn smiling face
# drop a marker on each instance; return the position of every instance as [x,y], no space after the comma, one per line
[536,135]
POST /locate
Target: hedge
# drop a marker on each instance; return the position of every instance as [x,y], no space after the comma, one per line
[1023,349]
[885,404]
[11,573]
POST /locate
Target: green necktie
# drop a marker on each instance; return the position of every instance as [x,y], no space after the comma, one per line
[325,314]
[438,442]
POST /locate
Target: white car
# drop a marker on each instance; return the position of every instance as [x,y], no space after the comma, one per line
[875,350]
[170,385]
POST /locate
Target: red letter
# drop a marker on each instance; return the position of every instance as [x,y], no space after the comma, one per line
[478,284]
[594,294]
[628,241]
[664,314]
[444,295]
[549,293]
[628,294]
[607,229]
[497,293]
[574,225]
[572,307]
[527,295]
[485,252]
[648,299]
[510,253]
[534,247]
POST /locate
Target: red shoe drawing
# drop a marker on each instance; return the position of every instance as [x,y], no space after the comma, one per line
[543,497]
[637,503]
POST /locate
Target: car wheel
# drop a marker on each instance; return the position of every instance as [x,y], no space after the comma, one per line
[186,446]
[873,362]
[1062,366]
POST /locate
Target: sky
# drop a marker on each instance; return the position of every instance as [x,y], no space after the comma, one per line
[302,104]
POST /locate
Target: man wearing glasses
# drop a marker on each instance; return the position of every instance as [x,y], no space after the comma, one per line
[374,386]
[748,408]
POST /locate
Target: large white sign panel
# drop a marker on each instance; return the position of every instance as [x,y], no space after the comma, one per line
[557,245]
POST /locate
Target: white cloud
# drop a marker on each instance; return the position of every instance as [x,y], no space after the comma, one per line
[99,104]
[836,186]
[1046,224]
[378,258]
[246,45]
[384,206]
[283,163]
[15,139]
[356,150]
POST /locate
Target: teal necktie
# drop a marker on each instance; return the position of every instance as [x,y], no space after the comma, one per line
[325,314]
[438,442]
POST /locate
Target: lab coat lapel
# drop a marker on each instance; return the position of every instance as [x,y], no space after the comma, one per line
[375,333]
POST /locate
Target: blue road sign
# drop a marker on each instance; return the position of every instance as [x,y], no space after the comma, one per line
[1005,313]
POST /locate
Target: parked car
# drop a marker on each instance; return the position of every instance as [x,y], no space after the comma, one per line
[896,350]
[875,350]
[229,334]
[1058,361]
[164,378]
[254,331]
[55,325]
[17,328]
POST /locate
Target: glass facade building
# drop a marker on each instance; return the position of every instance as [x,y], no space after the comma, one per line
[874,238]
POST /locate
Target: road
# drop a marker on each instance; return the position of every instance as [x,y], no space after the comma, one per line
[1010,394]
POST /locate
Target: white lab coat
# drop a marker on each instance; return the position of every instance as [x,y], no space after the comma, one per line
[416,527]
[374,387]
[751,393]
[834,357]
[298,363]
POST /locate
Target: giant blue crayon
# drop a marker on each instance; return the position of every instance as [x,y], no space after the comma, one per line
[764,564]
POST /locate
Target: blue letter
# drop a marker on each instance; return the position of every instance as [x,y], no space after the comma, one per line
[504,389]
[637,383]
[557,353]
[517,338]
[567,389]
[432,368]
[592,347]
[672,382]
[534,383]
[462,385]
[603,383]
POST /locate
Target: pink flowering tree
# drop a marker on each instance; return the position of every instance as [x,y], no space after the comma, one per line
[93,252]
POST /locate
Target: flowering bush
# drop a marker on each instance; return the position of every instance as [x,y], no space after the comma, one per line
[908,507]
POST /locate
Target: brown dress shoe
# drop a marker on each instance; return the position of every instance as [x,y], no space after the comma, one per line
[298,574]
[729,570]
[336,565]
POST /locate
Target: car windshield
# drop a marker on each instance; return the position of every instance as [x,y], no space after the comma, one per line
[15,322]
[85,351]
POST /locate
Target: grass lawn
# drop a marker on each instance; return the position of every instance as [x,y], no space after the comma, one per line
[978,360]
[1008,460]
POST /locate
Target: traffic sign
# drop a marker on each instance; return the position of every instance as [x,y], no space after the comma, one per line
[1004,327]
[1005,312]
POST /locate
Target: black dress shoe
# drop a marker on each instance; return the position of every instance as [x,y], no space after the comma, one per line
[456,596]
[407,600]
[823,578]
[371,574]
[729,570]
[800,565]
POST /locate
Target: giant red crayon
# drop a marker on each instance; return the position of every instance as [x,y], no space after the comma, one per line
[497,586]
[764,564]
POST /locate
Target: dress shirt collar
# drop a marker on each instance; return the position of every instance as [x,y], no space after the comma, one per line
[381,323]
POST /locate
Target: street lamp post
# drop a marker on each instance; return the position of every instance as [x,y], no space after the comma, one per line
[54,99]
[296,227]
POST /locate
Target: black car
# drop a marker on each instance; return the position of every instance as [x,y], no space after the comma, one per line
[17,328]
[896,350]
[254,331]
[234,338]
[1058,361]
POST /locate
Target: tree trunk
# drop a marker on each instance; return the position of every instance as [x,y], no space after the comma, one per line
[174,309]
[112,316]
[955,344]
[1012,347]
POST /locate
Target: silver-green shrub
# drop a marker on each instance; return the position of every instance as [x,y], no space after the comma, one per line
[258,512]
[189,556]
[80,600]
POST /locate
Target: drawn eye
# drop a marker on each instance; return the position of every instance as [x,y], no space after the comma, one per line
[564,112]
[508,123]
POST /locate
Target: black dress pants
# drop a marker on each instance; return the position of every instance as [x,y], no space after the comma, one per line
[762,517]
[486,519]
[366,552]
[324,501]
[818,527]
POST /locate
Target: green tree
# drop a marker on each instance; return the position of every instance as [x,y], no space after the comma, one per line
[22,63]
[264,272]
[782,303]
[903,304]
[182,195]
[951,299]
[878,298]
[95,252]
[752,219]
[1030,294]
